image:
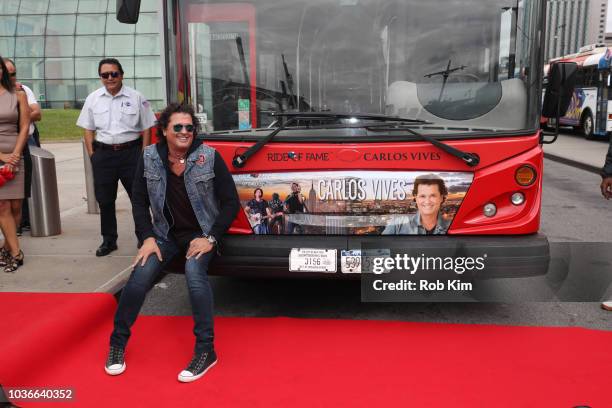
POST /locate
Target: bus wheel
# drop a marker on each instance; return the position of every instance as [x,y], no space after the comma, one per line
[587,125]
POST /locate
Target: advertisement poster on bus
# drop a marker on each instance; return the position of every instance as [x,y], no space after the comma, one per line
[352,202]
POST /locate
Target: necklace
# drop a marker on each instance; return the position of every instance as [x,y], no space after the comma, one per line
[180,158]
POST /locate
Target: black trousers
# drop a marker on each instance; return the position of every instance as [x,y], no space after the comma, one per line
[110,167]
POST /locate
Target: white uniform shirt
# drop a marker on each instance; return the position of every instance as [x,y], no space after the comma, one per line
[116,119]
[31,101]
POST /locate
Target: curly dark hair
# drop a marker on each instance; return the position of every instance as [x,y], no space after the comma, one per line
[430,179]
[164,119]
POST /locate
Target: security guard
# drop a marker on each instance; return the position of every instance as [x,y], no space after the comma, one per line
[114,117]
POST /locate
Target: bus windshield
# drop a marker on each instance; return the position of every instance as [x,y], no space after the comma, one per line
[469,64]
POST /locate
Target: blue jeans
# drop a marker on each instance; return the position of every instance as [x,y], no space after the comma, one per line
[141,280]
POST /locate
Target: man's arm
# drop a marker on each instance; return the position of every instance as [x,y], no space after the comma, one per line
[89,139]
[86,122]
[146,138]
[147,120]
[35,112]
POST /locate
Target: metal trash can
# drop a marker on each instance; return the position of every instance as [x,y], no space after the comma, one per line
[44,203]
[92,203]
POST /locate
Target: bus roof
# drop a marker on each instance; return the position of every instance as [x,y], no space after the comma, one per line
[600,57]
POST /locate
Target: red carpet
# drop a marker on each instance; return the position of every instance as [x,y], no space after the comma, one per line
[60,340]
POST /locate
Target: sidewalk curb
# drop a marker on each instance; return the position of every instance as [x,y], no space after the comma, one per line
[584,166]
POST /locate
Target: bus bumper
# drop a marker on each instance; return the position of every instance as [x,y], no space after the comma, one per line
[268,255]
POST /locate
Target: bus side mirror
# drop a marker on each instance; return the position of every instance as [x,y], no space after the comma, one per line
[128,11]
[558,95]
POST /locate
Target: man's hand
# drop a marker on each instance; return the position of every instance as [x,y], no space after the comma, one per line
[606,187]
[199,246]
[149,247]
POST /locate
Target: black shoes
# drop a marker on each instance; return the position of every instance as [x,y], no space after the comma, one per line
[115,363]
[199,365]
[106,248]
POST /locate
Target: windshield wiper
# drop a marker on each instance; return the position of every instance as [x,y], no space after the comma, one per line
[292,117]
[471,159]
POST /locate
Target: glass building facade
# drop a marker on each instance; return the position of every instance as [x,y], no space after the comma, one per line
[57,44]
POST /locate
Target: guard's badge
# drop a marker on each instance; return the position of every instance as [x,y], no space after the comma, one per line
[201,160]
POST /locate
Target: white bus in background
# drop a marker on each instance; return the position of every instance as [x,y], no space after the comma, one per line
[589,111]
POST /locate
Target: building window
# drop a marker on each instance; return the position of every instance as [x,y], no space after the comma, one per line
[7,47]
[61,24]
[147,23]
[93,6]
[62,6]
[86,68]
[30,47]
[59,68]
[9,7]
[91,24]
[89,46]
[30,68]
[119,45]
[147,44]
[34,7]
[7,25]
[31,25]
[59,46]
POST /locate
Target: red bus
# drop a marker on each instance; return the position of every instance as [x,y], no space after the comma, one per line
[361,121]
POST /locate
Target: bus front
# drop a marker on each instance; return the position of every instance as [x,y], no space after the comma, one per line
[398,125]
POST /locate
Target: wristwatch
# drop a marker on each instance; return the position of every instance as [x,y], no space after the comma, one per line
[211,239]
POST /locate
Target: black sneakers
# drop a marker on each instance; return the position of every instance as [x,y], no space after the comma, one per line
[115,363]
[199,365]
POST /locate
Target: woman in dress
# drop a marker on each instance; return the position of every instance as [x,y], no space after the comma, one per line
[14,124]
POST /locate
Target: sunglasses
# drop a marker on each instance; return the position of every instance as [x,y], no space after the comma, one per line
[178,127]
[114,74]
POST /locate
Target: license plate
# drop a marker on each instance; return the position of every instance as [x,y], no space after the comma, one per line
[312,260]
[361,260]
[350,261]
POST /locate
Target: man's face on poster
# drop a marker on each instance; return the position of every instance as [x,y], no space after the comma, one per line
[258,194]
[429,199]
[295,188]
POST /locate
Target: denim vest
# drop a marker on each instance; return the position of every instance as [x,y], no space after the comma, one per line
[199,174]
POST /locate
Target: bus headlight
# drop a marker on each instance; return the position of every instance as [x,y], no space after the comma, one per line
[517,198]
[489,210]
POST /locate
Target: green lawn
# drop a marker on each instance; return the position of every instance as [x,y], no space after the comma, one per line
[59,124]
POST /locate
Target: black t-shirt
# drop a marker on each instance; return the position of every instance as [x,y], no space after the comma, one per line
[185,226]
[293,204]
[276,206]
[258,207]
